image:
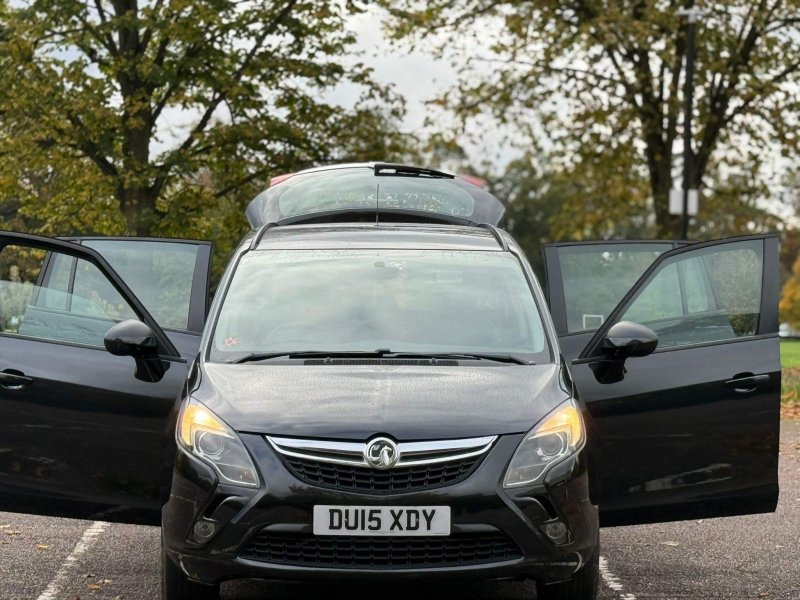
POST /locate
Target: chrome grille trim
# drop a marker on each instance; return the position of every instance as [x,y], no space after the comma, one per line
[410,453]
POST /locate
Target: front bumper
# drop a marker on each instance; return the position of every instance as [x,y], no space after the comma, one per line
[479,506]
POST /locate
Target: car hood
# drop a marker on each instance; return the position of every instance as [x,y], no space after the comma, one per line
[358,402]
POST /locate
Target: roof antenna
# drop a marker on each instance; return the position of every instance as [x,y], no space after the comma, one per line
[377,203]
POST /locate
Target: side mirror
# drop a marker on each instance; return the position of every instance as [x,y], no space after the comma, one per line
[627,339]
[136,339]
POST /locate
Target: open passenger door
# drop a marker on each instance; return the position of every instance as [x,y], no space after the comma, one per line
[81,435]
[691,429]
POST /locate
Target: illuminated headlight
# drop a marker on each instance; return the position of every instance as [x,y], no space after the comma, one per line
[558,436]
[206,436]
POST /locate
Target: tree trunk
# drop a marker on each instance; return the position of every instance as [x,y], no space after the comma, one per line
[137,197]
[667,226]
[136,194]
[139,208]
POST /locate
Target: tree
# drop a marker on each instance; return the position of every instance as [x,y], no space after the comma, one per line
[546,206]
[605,78]
[790,297]
[166,115]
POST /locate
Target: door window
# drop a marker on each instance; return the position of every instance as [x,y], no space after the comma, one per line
[160,273]
[597,276]
[706,296]
[35,300]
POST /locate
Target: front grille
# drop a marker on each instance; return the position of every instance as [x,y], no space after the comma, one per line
[374,481]
[343,552]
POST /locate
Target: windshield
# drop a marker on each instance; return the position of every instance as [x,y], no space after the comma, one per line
[421,301]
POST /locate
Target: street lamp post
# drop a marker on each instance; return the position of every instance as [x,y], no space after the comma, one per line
[692,13]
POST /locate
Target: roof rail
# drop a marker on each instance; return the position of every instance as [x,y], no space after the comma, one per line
[497,235]
[260,234]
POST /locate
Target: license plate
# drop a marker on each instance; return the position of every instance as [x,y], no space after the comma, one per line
[382,520]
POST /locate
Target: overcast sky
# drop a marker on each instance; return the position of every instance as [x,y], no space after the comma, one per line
[418,77]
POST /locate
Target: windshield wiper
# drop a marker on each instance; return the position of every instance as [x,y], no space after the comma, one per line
[504,358]
[382,353]
[257,356]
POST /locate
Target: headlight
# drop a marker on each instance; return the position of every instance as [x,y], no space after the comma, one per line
[204,435]
[556,437]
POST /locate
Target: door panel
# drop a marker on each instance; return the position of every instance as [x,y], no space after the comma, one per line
[691,430]
[586,280]
[85,439]
[80,435]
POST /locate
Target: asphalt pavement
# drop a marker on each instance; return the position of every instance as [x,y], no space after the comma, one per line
[733,558]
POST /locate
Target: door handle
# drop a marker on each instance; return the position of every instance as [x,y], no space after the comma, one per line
[12,379]
[747,383]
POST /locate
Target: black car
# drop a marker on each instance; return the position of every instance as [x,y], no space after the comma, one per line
[381,389]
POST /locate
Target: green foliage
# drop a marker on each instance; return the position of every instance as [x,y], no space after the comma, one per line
[790,353]
[599,84]
[790,297]
[545,204]
[167,117]
[530,207]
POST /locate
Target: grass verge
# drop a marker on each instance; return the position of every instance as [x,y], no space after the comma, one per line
[790,392]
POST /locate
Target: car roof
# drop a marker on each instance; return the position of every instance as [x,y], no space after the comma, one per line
[379,235]
[339,197]
[350,165]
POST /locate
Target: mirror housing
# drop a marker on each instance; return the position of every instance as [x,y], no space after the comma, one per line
[136,339]
[627,339]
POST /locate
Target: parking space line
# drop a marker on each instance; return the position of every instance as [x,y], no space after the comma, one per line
[87,540]
[611,580]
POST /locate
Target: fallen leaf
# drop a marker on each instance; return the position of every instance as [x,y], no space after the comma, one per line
[42,546]
[93,586]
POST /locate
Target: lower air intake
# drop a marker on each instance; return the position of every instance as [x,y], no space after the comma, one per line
[306,550]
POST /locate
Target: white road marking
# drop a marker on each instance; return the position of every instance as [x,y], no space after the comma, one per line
[611,580]
[88,539]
